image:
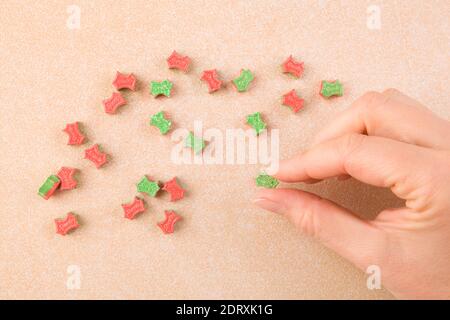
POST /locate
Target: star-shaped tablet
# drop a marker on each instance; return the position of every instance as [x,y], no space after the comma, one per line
[123,81]
[167,226]
[195,143]
[158,120]
[211,77]
[244,80]
[293,67]
[175,190]
[266,181]
[161,88]
[68,182]
[132,209]
[113,103]
[331,88]
[256,122]
[177,61]
[64,226]
[292,100]
[148,186]
[95,155]
[75,136]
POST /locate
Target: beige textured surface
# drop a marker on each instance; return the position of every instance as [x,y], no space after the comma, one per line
[225,247]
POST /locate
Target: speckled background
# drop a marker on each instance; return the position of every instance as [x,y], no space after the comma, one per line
[224,247]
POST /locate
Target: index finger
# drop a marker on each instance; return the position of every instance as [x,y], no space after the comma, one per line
[373,160]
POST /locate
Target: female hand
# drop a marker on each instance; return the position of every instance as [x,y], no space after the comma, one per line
[387,140]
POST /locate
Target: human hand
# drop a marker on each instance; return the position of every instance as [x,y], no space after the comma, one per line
[387,140]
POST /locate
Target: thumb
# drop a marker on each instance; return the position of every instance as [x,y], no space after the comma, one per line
[357,240]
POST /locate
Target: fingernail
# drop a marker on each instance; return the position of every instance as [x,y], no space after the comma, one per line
[269,205]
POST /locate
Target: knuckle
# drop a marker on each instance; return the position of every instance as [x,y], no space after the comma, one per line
[374,108]
[371,95]
[391,92]
[370,99]
[387,99]
[307,222]
[431,189]
[374,101]
[350,143]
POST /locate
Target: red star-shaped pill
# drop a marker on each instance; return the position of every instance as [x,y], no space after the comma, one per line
[65,174]
[132,209]
[123,81]
[293,67]
[177,61]
[211,77]
[175,190]
[167,226]
[292,100]
[115,101]
[95,155]
[75,136]
[63,226]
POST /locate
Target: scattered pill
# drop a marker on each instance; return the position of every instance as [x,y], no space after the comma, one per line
[195,143]
[331,88]
[49,187]
[115,101]
[161,88]
[266,181]
[158,120]
[64,226]
[95,155]
[167,226]
[123,81]
[65,175]
[132,209]
[148,186]
[175,190]
[177,61]
[75,136]
[292,100]
[293,67]
[211,77]
[65,180]
[242,82]
[256,122]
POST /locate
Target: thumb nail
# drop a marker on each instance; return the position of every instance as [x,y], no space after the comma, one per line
[270,205]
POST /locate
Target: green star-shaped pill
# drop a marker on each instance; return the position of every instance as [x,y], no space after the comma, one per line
[158,120]
[266,181]
[195,143]
[243,81]
[255,121]
[148,186]
[161,88]
[331,88]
